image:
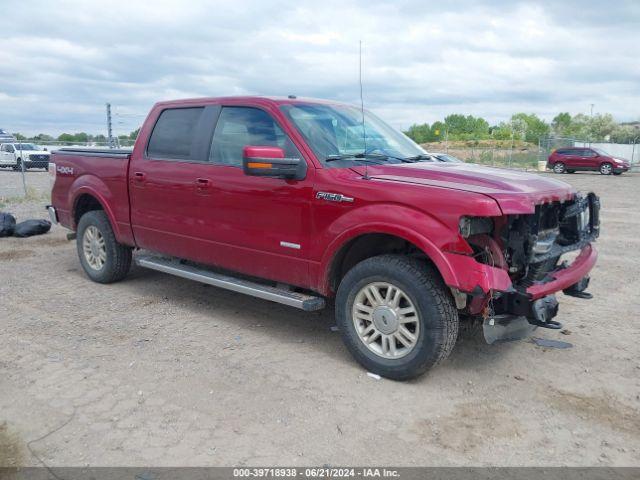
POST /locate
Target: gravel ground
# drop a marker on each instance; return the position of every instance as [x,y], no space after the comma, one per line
[161,371]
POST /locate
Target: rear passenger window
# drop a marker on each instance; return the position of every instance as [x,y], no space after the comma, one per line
[238,127]
[173,134]
[566,151]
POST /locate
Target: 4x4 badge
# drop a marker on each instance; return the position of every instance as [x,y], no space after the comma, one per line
[333,197]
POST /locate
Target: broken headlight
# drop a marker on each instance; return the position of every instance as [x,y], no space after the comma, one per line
[583,218]
[469,226]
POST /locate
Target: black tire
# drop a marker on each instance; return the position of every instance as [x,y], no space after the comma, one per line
[617,173]
[432,300]
[118,256]
[18,166]
[606,169]
[571,171]
[559,168]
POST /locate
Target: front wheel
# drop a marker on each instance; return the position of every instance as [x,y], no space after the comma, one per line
[558,167]
[18,166]
[103,259]
[606,169]
[396,316]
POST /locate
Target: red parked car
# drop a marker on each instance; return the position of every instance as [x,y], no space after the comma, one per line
[287,200]
[573,159]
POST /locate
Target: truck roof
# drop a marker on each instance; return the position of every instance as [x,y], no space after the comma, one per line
[257,99]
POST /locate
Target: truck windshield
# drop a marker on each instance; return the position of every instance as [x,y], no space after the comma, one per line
[25,146]
[334,132]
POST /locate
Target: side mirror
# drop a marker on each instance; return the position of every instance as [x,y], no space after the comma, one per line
[262,161]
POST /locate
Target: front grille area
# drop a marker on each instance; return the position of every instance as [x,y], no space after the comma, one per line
[534,243]
[39,158]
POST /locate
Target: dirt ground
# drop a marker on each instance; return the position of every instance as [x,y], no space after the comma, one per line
[161,371]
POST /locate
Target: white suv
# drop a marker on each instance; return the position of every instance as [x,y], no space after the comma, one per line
[14,154]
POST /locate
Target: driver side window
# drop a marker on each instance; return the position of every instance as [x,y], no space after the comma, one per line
[238,127]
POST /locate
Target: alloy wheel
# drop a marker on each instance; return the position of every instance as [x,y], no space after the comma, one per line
[605,169]
[386,320]
[94,248]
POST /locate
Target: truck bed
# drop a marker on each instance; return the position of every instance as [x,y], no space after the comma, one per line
[102,173]
[94,152]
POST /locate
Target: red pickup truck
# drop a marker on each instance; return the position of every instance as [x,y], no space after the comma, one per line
[296,201]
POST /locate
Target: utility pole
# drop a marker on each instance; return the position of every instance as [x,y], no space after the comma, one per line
[109,127]
[590,133]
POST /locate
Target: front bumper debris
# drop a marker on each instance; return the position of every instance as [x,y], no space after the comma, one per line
[565,277]
[506,328]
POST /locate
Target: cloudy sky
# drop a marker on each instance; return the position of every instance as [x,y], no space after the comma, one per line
[62,61]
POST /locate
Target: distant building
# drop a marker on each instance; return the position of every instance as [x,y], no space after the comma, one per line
[6,137]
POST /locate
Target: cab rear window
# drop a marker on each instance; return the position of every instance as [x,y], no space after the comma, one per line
[173,134]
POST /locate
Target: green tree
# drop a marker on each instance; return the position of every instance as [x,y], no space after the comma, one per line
[418,133]
[43,137]
[529,126]
[460,127]
[625,134]
[600,126]
[66,137]
[19,136]
[133,135]
[503,131]
[561,123]
[81,137]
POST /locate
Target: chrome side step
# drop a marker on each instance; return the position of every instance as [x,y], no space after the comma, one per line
[302,301]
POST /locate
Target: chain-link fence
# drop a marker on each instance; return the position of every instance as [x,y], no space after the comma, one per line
[522,157]
[23,166]
[529,156]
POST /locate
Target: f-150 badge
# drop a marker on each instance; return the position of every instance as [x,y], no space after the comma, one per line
[333,197]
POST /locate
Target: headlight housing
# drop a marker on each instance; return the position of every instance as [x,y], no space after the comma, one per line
[469,226]
[584,218]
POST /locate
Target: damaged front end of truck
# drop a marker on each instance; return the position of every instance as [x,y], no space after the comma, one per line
[541,253]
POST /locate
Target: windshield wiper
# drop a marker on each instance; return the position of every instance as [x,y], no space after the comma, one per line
[361,157]
[417,158]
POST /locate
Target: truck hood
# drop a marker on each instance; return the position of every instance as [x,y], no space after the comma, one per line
[514,191]
[34,152]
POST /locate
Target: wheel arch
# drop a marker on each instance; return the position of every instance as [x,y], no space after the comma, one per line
[363,243]
[86,199]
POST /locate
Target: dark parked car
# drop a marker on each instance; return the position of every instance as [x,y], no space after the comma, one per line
[573,159]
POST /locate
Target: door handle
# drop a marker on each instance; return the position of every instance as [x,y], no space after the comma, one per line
[203,182]
[139,176]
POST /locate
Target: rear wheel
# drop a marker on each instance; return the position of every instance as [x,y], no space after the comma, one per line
[103,259]
[559,167]
[396,316]
[606,169]
[571,171]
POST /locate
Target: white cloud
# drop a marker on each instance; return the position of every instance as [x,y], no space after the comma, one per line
[422,60]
